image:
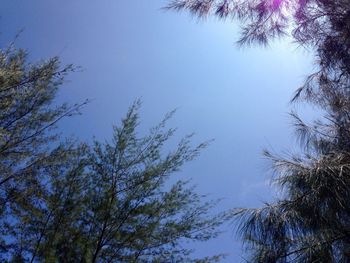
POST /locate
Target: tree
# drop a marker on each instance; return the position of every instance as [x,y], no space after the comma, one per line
[309,222]
[27,116]
[138,216]
[42,223]
[27,120]
[322,25]
[67,201]
[111,203]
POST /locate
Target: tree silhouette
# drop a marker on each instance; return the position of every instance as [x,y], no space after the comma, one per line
[65,201]
[310,222]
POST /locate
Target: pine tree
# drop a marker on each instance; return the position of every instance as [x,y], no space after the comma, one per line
[111,202]
[133,214]
[27,138]
[319,25]
[310,221]
[67,201]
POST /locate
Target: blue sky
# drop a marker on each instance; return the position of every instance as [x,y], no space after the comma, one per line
[133,49]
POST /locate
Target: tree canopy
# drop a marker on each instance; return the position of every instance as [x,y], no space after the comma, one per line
[310,221]
[68,201]
[321,25]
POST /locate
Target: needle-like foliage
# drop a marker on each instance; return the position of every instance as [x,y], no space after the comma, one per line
[27,139]
[62,201]
[322,25]
[310,221]
[111,202]
[132,213]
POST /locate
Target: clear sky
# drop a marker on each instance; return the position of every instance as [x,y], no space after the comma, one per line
[133,49]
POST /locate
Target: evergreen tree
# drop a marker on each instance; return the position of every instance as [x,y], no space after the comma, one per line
[133,214]
[322,25]
[111,203]
[310,221]
[27,139]
[64,201]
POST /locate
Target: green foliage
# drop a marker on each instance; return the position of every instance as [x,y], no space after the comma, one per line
[310,221]
[131,215]
[26,122]
[64,201]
